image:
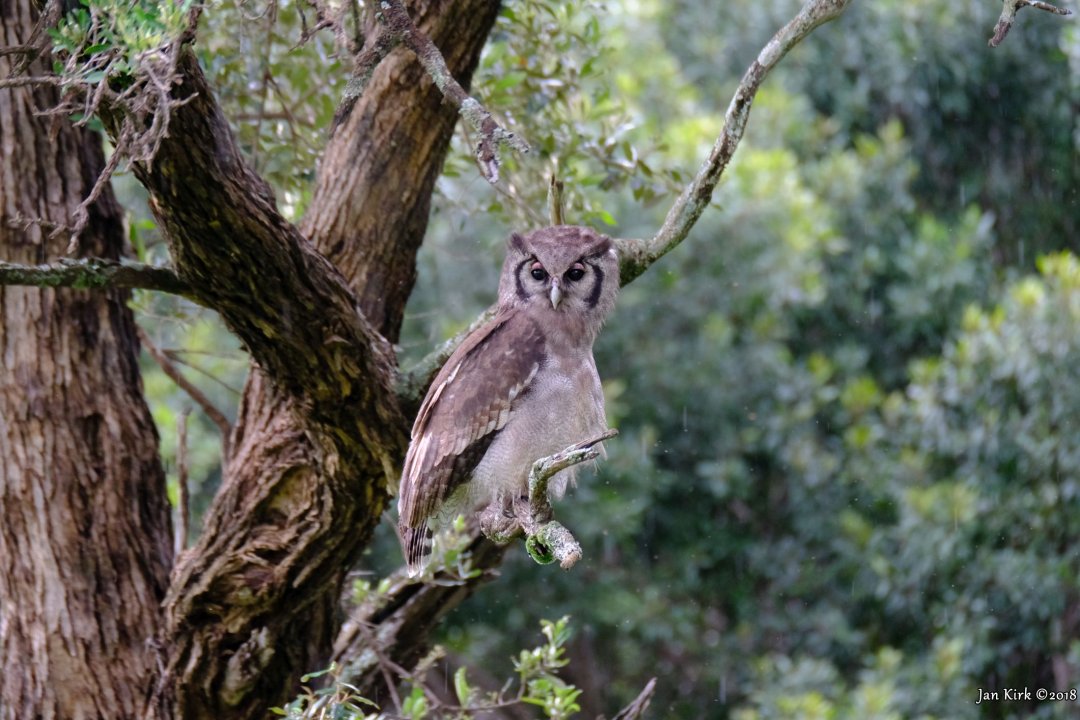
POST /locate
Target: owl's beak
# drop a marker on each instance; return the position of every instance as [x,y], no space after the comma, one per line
[556,294]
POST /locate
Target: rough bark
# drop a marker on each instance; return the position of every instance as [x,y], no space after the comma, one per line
[85,538]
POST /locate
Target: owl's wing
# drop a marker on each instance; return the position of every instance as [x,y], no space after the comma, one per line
[465,408]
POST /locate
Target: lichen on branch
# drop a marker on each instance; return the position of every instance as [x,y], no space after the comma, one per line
[546,540]
[96,273]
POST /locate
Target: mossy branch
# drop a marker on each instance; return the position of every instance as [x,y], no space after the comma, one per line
[96,274]
[545,539]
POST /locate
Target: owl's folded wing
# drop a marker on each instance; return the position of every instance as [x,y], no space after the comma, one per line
[465,408]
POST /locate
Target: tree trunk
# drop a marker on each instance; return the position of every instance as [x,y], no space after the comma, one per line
[85,538]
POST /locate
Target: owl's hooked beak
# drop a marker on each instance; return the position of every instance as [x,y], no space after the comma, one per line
[556,293]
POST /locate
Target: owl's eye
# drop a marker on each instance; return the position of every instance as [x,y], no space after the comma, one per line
[538,272]
[575,273]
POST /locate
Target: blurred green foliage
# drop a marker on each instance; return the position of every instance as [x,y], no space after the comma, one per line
[846,484]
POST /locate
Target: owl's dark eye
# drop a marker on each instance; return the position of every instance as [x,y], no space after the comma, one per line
[575,273]
[538,272]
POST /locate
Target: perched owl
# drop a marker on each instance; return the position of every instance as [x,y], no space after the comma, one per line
[521,387]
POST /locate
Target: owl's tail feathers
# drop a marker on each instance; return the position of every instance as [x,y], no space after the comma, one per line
[416,542]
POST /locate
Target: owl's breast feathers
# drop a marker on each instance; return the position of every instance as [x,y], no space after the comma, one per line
[467,405]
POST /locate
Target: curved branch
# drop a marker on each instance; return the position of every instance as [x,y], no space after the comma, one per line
[637,255]
[96,273]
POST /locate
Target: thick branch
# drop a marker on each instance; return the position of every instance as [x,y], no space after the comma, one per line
[1008,16]
[96,273]
[637,255]
[279,548]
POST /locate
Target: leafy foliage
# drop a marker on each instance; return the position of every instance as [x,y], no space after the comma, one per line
[537,679]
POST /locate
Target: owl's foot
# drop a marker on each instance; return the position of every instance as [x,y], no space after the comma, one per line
[498,524]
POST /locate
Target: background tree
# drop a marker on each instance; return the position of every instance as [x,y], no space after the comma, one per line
[757,506]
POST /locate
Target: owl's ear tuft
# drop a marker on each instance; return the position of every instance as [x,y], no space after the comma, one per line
[516,242]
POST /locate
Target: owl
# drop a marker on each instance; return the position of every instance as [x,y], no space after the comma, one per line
[521,387]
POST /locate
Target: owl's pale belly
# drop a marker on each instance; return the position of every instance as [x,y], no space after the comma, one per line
[564,406]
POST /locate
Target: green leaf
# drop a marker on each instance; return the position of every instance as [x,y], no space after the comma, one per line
[461,687]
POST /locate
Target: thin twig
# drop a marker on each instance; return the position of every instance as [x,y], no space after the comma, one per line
[82,213]
[555,200]
[1008,16]
[386,665]
[18,50]
[35,80]
[167,366]
[182,482]
[640,704]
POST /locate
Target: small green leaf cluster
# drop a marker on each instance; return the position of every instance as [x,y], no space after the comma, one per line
[112,39]
[549,69]
[536,671]
[537,679]
[336,700]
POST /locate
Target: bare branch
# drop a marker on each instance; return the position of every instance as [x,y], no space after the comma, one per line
[18,50]
[640,704]
[14,82]
[216,416]
[555,200]
[1008,16]
[637,255]
[363,68]
[96,273]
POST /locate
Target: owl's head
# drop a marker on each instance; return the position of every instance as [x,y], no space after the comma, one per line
[565,271]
